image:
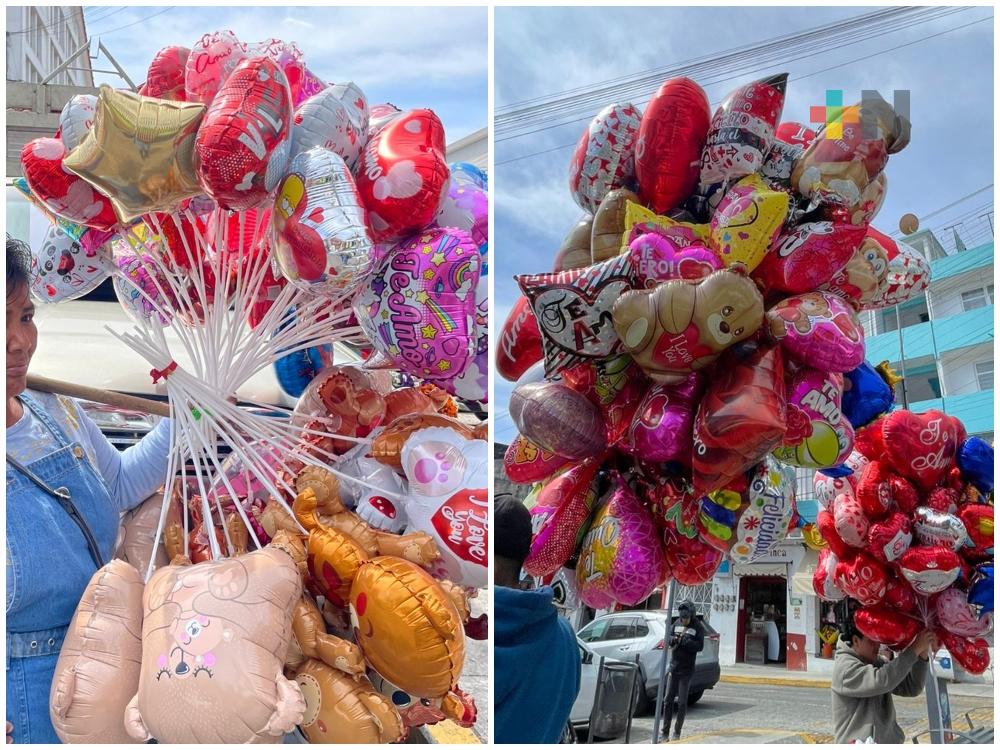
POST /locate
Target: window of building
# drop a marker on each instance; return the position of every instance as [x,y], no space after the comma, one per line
[976,298]
[984,374]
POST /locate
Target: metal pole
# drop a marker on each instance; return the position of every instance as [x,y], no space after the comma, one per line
[598,697]
[938,706]
[902,359]
[664,661]
[631,701]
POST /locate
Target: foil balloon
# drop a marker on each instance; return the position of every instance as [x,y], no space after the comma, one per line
[166,74]
[558,419]
[679,327]
[640,220]
[559,515]
[242,147]
[98,668]
[763,524]
[747,222]
[864,211]
[604,159]
[62,270]
[888,626]
[981,588]
[526,463]
[335,119]
[663,426]
[137,538]
[318,233]
[388,444]
[818,433]
[609,222]
[196,620]
[827,526]
[812,538]
[956,615]
[380,115]
[739,136]
[691,562]
[866,395]
[922,447]
[841,162]
[473,383]
[818,330]
[978,522]
[211,61]
[900,595]
[448,500]
[418,307]
[930,569]
[572,308]
[465,207]
[823,577]
[864,578]
[828,487]
[466,174]
[790,141]
[140,287]
[574,252]
[309,85]
[139,152]
[672,135]
[520,341]
[656,258]
[344,709]
[741,418]
[971,654]
[59,190]
[408,627]
[808,255]
[76,119]
[888,540]
[621,560]
[403,175]
[975,459]
[850,521]
[933,528]
[861,280]
[717,519]
[908,275]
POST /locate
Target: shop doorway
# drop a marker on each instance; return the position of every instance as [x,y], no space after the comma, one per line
[761,621]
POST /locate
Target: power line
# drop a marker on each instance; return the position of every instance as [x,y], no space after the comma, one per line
[135,23]
[58,22]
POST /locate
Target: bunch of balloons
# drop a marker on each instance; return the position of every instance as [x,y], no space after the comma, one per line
[699,333]
[298,181]
[907,528]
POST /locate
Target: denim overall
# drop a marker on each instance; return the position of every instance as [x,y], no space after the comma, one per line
[48,567]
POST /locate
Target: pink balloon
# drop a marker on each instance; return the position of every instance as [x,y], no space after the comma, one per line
[657,258]
[957,616]
[467,208]
[621,559]
[808,256]
[820,330]
[819,435]
[663,426]
[212,59]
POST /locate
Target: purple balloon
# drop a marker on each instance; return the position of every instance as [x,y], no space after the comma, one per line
[657,258]
[558,419]
[467,208]
[663,425]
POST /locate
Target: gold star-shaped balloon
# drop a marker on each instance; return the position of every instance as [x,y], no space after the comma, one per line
[139,152]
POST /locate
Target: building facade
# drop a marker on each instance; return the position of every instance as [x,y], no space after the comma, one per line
[42,37]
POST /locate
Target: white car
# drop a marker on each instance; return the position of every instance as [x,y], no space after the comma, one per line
[579,715]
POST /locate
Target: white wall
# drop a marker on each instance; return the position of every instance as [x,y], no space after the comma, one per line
[946,296]
[959,368]
[725,590]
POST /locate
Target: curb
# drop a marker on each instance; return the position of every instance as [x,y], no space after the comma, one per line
[779,736]
[789,682]
[449,733]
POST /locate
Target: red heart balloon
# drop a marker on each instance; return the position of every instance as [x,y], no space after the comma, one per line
[691,561]
[403,175]
[868,440]
[808,255]
[930,569]
[943,500]
[972,654]
[864,578]
[922,447]
[899,594]
[850,520]
[978,520]
[891,538]
[823,583]
[525,463]
[828,530]
[888,626]
[242,146]
[62,192]
[520,344]
[903,494]
[165,78]
[671,138]
[874,492]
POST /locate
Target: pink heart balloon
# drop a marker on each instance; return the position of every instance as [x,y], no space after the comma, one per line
[657,258]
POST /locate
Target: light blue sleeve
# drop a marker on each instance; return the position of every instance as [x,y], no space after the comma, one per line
[136,473]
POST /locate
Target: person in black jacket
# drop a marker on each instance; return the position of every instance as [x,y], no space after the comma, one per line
[686,638]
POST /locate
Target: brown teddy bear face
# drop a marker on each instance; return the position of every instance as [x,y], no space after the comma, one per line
[679,327]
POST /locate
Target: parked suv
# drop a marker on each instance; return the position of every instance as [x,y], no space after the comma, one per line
[622,635]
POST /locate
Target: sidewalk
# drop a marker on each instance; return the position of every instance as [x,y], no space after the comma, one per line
[750,674]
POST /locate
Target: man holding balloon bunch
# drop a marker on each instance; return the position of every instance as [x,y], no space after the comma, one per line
[863,684]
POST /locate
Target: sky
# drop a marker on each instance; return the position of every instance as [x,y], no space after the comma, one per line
[412,57]
[544,51]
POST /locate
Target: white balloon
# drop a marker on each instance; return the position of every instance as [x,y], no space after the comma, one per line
[336,119]
[61,268]
[76,119]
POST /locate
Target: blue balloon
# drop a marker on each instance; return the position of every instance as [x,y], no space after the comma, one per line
[866,395]
[296,370]
[981,590]
[975,459]
[835,472]
[462,172]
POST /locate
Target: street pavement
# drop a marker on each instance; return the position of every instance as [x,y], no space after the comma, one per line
[766,713]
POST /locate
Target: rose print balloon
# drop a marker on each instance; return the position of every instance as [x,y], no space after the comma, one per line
[818,330]
[419,306]
[621,559]
[818,433]
[62,270]
[604,159]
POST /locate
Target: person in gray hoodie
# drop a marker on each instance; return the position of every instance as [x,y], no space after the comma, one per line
[863,685]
